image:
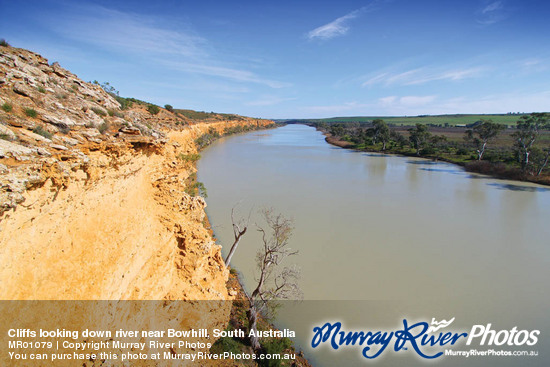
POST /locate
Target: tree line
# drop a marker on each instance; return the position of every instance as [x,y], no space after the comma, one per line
[529,153]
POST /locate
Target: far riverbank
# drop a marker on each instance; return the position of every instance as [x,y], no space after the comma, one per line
[495,170]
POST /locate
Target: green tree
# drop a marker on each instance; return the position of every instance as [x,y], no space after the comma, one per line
[419,136]
[336,130]
[398,138]
[482,133]
[528,128]
[380,132]
[107,87]
[539,159]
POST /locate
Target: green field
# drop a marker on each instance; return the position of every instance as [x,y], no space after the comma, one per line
[437,120]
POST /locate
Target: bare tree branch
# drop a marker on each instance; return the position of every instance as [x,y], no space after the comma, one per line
[273,283]
[239,229]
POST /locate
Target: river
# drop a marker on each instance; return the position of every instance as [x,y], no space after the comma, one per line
[384,238]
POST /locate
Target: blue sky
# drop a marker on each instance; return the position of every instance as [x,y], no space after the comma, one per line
[300,59]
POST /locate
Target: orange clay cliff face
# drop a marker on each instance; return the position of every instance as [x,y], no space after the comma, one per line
[93,198]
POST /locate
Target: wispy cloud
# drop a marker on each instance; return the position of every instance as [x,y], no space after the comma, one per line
[497,5]
[422,75]
[533,65]
[223,72]
[414,105]
[150,39]
[268,101]
[339,26]
[498,103]
[113,29]
[406,101]
[491,12]
[323,110]
[202,86]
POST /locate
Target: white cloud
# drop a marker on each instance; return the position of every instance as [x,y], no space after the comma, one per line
[435,105]
[337,27]
[150,39]
[499,103]
[201,86]
[415,101]
[422,75]
[223,72]
[268,101]
[491,13]
[379,78]
[533,65]
[129,32]
[405,102]
[388,101]
[497,5]
[324,110]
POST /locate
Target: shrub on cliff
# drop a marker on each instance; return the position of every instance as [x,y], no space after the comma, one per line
[226,344]
[4,43]
[169,107]
[98,111]
[40,131]
[153,110]
[192,157]
[125,103]
[7,107]
[103,128]
[207,138]
[31,112]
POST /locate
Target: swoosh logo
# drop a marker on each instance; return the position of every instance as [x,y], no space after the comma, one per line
[439,325]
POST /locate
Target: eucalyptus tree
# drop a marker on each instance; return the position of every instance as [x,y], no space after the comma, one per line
[380,132]
[540,159]
[419,136]
[528,130]
[482,133]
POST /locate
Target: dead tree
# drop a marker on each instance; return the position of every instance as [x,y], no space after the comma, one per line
[239,229]
[274,283]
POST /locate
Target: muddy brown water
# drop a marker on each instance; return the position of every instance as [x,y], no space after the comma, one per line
[386,238]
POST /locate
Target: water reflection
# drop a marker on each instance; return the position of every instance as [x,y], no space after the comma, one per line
[514,187]
[377,155]
[446,170]
[422,162]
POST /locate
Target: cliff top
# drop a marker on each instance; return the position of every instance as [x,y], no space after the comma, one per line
[51,118]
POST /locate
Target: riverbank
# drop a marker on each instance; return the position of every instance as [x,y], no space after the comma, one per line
[495,170]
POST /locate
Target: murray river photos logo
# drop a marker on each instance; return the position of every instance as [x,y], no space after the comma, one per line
[426,340]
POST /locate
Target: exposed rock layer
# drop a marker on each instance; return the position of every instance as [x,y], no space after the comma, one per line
[94,202]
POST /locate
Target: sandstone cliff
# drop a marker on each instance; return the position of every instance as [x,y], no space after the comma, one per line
[95,200]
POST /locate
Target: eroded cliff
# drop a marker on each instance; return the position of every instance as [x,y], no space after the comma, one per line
[96,200]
